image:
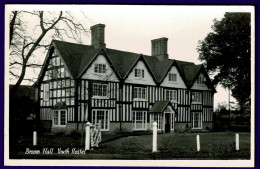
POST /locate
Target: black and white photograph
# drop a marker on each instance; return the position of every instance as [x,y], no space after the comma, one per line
[130,85]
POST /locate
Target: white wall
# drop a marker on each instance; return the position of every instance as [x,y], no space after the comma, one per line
[179,84]
[137,80]
[109,76]
[200,86]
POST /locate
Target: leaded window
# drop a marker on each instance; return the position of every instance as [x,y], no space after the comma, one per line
[140,93]
[100,68]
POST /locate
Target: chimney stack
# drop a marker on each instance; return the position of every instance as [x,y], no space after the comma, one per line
[159,48]
[98,36]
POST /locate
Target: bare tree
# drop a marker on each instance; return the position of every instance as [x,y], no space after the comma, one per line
[26,42]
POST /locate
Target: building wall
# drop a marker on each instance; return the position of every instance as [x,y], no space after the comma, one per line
[119,102]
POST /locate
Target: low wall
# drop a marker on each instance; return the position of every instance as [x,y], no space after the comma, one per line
[187,127]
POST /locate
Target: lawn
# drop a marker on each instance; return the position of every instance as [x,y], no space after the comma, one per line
[219,145]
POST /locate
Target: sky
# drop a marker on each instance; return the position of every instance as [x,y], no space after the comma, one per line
[132,27]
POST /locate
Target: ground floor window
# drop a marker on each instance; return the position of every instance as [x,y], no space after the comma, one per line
[197,120]
[156,117]
[59,117]
[101,116]
[139,120]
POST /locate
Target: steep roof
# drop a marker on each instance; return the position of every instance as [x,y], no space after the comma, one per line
[78,57]
[75,56]
[122,61]
[190,73]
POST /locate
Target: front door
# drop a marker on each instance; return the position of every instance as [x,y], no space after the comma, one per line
[167,122]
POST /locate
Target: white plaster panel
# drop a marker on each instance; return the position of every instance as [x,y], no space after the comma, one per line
[148,79]
[108,76]
[179,84]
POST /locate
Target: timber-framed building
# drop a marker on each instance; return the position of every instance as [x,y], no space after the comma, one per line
[124,91]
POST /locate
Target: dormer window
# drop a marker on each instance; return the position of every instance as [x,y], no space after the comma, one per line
[172,77]
[100,68]
[139,73]
[200,80]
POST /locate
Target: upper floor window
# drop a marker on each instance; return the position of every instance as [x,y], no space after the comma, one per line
[46,92]
[171,95]
[172,77]
[139,93]
[100,90]
[100,68]
[139,73]
[200,80]
[196,97]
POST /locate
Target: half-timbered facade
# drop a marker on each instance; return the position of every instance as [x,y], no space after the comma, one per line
[123,91]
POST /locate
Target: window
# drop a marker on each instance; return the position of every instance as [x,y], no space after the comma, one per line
[101,116]
[139,73]
[171,95]
[100,68]
[100,90]
[139,120]
[197,120]
[46,92]
[200,80]
[55,73]
[139,93]
[156,118]
[59,118]
[196,97]
[172,77]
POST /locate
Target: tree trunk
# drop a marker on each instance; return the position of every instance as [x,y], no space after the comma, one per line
[12,23]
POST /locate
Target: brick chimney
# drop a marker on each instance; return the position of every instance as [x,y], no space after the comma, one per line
[98,36]
[159,48]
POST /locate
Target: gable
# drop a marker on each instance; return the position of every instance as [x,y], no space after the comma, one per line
[201,86]
[108,76]
[147,80]
[179,81]
[55,68]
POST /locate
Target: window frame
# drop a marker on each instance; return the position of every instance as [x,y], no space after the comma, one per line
[193,98]
[46,92]
[201,80]
[172,77]
[143,120]
[59,118]
[171,91]
[99,92]
[100,68]
[198,120]
[138,73]
[106,120]
[138,95]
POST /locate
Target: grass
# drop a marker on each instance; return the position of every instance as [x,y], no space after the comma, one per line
[139,146]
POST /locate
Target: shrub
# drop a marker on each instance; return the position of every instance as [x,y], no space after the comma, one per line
[75,134]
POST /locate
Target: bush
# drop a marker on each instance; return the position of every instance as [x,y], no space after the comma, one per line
[60,134]
[75,134]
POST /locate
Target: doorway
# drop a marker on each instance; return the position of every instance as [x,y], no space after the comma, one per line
[167,122]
